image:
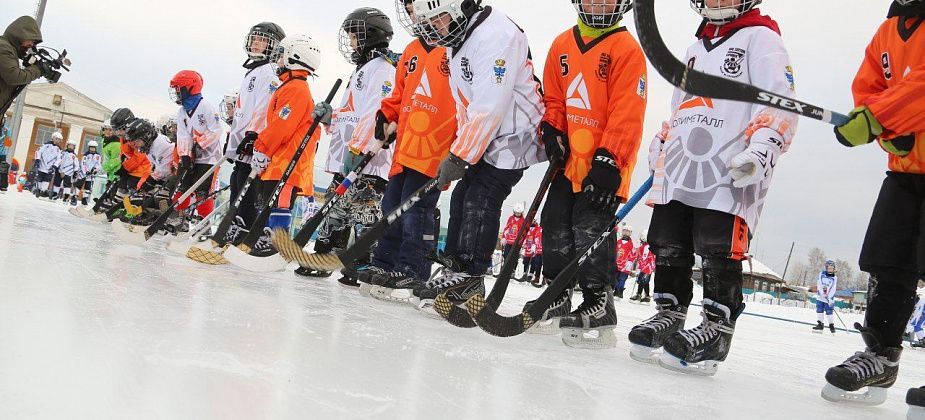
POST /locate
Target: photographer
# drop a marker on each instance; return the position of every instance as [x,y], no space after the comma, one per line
[17,41]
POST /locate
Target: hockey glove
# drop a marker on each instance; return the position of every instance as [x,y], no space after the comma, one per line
[555,142]
[599,188]
[656,146]
[756,163]
[260,162]
[352,159]
[451,169]
[862,128]
[246,147]
[385,129]
[323,112]
[186,163]
[899,146]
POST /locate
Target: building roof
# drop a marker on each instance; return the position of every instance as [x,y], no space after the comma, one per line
[755,267]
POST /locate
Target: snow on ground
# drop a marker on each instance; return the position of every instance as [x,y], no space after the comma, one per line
[94,329]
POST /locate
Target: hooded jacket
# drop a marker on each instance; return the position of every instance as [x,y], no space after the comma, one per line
[11,74]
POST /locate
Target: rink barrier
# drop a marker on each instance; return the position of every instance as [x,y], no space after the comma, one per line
[784,319]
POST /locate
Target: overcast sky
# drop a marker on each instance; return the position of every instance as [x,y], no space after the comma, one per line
[125,52]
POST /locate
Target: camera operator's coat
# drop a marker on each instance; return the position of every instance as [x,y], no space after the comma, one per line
[11,74]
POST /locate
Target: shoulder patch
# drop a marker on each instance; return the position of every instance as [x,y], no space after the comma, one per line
[788,73]
[500,70]
[285,112]
[386,88]
[274,84]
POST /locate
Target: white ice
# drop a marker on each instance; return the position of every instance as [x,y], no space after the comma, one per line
[94,329]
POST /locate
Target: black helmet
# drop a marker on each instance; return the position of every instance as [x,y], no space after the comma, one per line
[371,28]
[120,118]
[273,34]
[141,129]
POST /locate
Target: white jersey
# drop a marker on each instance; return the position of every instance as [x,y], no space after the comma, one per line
[161,157]
[202,130]
[825,287]
[90,164]
[250,112]
[47,156]
[67,163]
[706,133]
[368,86]
[498,101]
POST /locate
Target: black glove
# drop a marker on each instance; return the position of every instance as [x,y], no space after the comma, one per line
[45,67]
[186,163]
[382,127]
[599,188]
[451,169]
[122,172]
[246,147]
[555,141]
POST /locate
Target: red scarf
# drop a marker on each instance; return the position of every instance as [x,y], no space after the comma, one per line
[751,18]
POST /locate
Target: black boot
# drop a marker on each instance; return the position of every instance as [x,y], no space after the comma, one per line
[876,368]
[700,350]
[650,335]
[819,327]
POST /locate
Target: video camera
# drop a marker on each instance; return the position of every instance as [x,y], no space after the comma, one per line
[49,63]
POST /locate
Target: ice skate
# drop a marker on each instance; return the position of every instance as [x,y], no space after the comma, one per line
[264,246]
[549,323]
[832,328]
[875,368]
[394,286]
[459,287]
[365,278]
[819,327]
[699,351]
[236,232]
[591,325]
[306,272]
[649,336]
[915,399]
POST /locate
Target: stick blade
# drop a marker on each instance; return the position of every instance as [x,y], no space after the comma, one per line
[240,257]
[286,246]
[320,262]
[212,256]
[454,314]
[495,324]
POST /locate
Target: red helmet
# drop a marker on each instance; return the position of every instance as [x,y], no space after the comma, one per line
[184,84]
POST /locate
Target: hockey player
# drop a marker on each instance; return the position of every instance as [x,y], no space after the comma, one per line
[289,116]
[916,326]
[889,91]
[45,159]
[142,136]
[713,165]
[511,229]
[250,117]
[90,165]
[626,260]
[500,107]
[645,266]
[226,107]
[365,35]
[162,153]
[533,254]
[595,85]
[68,164]
[424,113]
[199,138]
[825,296]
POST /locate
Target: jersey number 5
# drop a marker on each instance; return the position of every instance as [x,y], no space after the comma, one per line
[563,63]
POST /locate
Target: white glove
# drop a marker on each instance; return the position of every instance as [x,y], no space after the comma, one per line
[655,147]
[756,163]
[260,162]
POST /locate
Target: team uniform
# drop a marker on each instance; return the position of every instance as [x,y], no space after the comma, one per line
[90,165]
[645,264]
[533,254]
[916,324]
[626,264]
[68,165]
[199,135]
[163,157]
[510,231]
[890,89]
[701,203]
[826,286]
[45,159]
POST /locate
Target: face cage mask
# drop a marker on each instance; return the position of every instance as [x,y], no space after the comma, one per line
[175,95]
[597,18]
[270,39]
[352,28]
[432,31]
[404,18]
[719,16]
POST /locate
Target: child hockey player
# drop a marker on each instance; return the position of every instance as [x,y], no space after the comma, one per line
[595,84]
[889,91]
[45,159]
[511,228]
[500,107]
[250,118]
[825,296]
[645,266]
[626,260]
[364,41]
[289,116]
[424,112]
[710,205]
[90,165]
[68,164]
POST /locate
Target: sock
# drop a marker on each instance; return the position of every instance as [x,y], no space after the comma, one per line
[819,316]
[831,319]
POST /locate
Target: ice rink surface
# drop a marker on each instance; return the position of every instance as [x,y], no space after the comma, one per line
[94,329]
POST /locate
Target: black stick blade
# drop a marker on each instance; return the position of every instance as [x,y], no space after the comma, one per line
[495,324]
[321,262]
[455,315]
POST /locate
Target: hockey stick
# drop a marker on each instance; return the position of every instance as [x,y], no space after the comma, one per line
[239,255]
[841,320]
[495,324]
[181,243]
[702,84]
[331,262]
[459,316]
[217,241]
[139,237]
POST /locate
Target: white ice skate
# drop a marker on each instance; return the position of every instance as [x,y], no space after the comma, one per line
[871,396]
[704,368]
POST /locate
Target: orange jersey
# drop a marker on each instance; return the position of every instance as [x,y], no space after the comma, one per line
[423,105]
[891,82]
[135,162]
[595,92]
[289,115]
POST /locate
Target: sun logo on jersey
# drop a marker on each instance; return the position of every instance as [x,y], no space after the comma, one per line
[732,65]
[500,70]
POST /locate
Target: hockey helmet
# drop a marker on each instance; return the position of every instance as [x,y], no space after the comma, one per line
[719,15]
[444,22]
[597,14]
[364,30]
[184,84]
[298,52]
[267,33]
[121,117]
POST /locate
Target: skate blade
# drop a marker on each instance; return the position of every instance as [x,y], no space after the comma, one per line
[644,354]
[594,338]
[391,295]
[546,327]
[365,289]
[240,259]
[873,396]
[130,234]
[705,368]
[426,307]
[915,413]
[212,256]
[817,332]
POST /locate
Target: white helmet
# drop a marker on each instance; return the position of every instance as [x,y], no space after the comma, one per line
[721,15]
[412,25]
[229,101]
[297,52]
[627,228]
[72,142]
[434,31]
[57,136]
[93,143]
[519,209]
[591,12]
[107,125]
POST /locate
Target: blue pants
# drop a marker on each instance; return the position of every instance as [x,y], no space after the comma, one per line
[406,243]
[823,307]
[475,214]
[621,282]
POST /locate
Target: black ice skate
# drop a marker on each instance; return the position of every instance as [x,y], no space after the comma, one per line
[591,325]
[549,323]
[459,287]
[236,232]
[875,368]
[698,351]
[367,277]
[645,299]
[650,335]
[819,327]
[264,246]
[394,286]
[84,201]
[307,272]
[915,399]
[832,328]
[635,297]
